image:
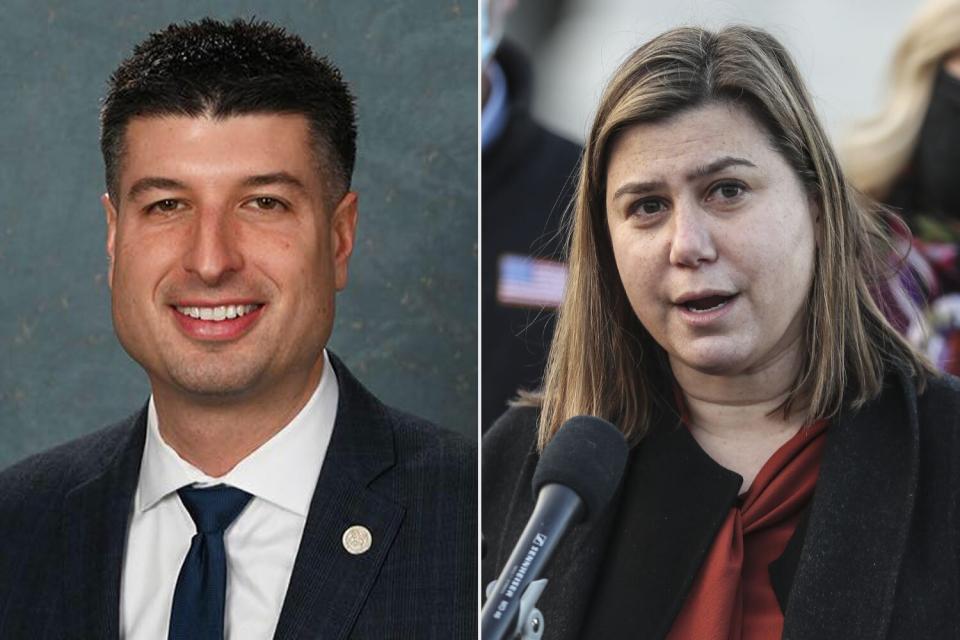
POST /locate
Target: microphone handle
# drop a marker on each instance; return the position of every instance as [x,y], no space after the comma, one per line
[558,508]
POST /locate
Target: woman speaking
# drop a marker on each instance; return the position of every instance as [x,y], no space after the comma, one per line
[794,463]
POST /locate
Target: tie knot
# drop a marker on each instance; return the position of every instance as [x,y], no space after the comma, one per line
[213,508]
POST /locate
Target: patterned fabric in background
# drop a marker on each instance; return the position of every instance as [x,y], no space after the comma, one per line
[937,240]
[928,281]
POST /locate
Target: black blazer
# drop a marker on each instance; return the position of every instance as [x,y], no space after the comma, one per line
[64,513]
[877,554]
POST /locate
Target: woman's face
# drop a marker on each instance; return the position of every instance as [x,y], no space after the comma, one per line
[713,236]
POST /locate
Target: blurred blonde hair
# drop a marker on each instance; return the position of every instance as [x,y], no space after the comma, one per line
[878,150]
[602,361]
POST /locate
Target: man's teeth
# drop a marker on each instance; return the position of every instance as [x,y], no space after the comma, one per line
[217,314]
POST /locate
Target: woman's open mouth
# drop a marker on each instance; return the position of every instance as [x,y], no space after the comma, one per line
[707,303]
[705,309]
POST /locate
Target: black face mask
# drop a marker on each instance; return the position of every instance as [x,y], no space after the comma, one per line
[937,157]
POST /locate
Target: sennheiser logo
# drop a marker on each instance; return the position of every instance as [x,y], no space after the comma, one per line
[538,541]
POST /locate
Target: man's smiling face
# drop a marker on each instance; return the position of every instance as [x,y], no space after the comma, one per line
[226,253]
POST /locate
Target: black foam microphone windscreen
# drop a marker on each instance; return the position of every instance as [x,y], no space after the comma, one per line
[587,455]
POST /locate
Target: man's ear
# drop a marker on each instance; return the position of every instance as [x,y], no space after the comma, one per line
[343,230]
[111,212]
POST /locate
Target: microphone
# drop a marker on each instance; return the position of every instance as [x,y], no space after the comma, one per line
[578,473]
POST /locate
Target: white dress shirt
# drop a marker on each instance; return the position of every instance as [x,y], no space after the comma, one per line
[262,542]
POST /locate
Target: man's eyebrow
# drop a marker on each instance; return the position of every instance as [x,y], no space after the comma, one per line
[279,177]
[262,180]
[153,182]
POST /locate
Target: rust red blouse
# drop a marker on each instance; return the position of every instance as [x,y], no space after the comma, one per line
[732,597]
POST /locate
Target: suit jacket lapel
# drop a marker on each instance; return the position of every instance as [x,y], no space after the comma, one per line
[859,520]
[96,513]
[328,585]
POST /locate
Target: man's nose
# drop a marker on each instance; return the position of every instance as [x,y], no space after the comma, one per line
[692,241]
[214,248]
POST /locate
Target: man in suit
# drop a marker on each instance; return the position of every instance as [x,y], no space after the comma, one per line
[262,491]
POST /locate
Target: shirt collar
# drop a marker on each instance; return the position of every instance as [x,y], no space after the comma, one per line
[274,472]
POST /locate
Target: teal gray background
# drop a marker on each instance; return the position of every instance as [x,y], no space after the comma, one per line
[406,325]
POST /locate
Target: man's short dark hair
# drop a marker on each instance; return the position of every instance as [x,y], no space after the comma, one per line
[217,69]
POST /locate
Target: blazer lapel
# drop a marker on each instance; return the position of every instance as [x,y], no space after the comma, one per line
[871,459]
[96,513]
[329,585]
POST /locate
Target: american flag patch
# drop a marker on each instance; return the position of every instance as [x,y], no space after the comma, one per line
[530,282]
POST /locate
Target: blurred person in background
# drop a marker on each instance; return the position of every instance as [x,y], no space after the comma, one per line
[526,185]
[793,458]
[907,157]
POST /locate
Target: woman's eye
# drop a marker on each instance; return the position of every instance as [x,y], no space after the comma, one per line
[729,190]
[646,207]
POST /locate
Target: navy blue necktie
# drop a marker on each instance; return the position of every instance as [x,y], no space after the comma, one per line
[198,601]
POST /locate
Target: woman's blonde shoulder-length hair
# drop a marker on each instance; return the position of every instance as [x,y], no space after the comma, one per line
[876,151]
[602,361]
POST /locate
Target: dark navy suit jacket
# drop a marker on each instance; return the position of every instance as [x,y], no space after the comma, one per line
[64,515]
